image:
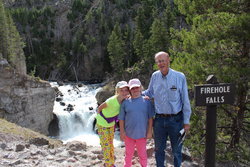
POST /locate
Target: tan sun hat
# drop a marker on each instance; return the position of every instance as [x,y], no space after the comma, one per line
[121,84]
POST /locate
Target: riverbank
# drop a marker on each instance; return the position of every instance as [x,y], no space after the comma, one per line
[23,147]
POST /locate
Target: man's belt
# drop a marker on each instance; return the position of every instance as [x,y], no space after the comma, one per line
[168,115]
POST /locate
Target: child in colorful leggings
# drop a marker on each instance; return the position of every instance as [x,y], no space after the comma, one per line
[106,119]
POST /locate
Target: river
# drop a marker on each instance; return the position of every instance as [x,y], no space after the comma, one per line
[75,108]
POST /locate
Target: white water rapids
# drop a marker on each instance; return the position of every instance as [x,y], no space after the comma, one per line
[78,123]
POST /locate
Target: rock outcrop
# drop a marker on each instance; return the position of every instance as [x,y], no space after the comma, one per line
[24,100]
[106,92]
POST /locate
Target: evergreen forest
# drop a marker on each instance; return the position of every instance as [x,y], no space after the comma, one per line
[95,39]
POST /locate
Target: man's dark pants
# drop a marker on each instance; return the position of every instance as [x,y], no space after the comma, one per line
[165,127]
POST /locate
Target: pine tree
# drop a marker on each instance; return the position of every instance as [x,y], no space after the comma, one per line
[3,31]
[15,47]
[116,49]
[218,43]
[127,38]
[140,34]
[158,39]
[142,23]
[138,44]
[11,44]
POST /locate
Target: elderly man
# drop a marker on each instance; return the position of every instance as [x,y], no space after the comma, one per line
[169,90]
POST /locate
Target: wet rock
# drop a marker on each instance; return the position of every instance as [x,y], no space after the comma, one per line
[11,155]
[56,90]
[27,145]
[60,83]
[78,118]
[58,99]
[3,146]
[71,160]
[19,147]
[62,103]
[76,146]
[94,157]
[52,152]
[50,157]
[43,153]
[54,126]
[59,150]
[70,107]
[24,155]
[34,152]
[97,152]
[16,163]
[150,152]
[72,153]
[80,85]
[64,154]
[60,160]
[100,157]
[9,149]
[39,141]
[4,162]
[84,156]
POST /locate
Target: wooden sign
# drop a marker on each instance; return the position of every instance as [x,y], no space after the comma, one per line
[213,94]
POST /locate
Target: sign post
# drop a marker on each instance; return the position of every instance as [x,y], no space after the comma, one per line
[210,95]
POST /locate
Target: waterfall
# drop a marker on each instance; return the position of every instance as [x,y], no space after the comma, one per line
[75,107]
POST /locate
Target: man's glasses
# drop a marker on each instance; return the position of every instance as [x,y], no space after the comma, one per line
[160,61]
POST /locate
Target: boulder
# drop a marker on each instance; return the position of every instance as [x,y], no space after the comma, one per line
[106,92]
[39,141]
[25,100]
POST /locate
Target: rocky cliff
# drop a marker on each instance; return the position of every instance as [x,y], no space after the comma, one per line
[24,100]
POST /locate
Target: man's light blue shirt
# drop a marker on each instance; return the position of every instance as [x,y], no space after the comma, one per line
[170,93]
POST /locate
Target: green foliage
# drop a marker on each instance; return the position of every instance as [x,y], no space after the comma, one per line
[116,49]
[79,8]
[210,42]
[3,31]
[217,42]
[158,40]
[196,140]
[138,44]
[130,58]
[10,41]
[91,24]
[33,72]
[82,48]
[41,48]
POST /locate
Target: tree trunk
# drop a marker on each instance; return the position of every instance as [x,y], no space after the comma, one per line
[242,96]
[238,121]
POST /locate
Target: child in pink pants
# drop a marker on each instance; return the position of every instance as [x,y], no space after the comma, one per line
[135,120]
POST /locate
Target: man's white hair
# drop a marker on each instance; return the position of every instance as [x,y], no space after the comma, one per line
[161,53]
